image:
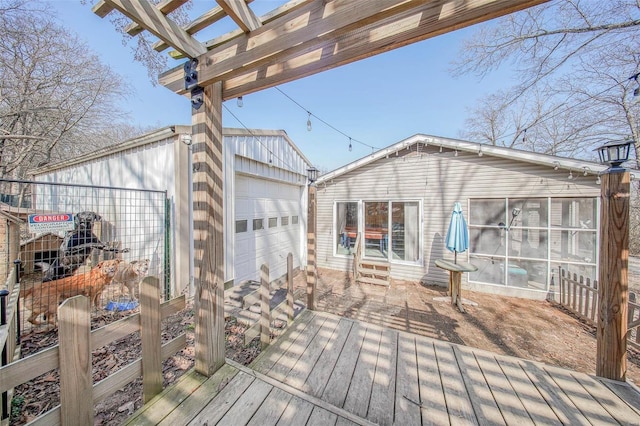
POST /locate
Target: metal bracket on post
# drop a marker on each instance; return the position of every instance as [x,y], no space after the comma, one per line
[191,83]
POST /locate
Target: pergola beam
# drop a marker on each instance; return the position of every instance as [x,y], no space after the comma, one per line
[165,7]
[409,25]
[152,20]
[209,17]
[239,11]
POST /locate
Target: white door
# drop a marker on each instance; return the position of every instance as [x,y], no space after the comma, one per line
[265,231]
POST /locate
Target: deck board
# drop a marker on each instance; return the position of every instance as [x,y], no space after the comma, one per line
[512,409]
[477,382]
[271,409]
[359,393]
[539,411]
[317,380]
[221,403]
[336,390]
[307,361]
[458,401]
[554,396]
[381,405]
[297,412]
[407,386]
[326,370]
[293,353]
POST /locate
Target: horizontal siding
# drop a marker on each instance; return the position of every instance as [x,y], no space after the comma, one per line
[439,180]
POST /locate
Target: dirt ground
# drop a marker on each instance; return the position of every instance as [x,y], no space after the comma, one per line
[535,330]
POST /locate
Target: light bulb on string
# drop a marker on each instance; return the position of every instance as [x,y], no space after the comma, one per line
[350,146]
[240,102]
[309,122]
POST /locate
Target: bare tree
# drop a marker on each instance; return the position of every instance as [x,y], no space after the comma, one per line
[56,97]
[573,60]
[142,45]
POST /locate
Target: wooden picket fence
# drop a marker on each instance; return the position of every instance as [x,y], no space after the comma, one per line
[268,314]
[72,356]
[579,295]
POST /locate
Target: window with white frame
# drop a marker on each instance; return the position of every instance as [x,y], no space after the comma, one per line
[389,230]
[520,242]
[346,215]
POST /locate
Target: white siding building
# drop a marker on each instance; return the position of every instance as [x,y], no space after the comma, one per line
[264,188]
[527,213]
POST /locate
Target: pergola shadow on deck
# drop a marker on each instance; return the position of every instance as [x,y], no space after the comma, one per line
[329,370]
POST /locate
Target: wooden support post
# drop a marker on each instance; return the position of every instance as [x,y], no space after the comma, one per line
[76,380]
[265,309]
[290,300]
[611,349]
[208,231]
[311,249]
[151,338]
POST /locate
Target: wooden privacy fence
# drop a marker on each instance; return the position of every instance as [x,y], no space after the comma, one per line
[580,296]
[72,356]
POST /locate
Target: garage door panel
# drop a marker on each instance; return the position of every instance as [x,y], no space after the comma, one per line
[261,199]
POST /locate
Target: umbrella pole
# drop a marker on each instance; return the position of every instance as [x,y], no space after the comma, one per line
[455,256]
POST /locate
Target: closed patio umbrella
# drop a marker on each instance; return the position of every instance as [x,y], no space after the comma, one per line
[457,239]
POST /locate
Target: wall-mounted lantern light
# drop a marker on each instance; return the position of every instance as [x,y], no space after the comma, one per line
[312,174]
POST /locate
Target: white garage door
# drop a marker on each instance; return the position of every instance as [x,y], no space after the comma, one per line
[268,220]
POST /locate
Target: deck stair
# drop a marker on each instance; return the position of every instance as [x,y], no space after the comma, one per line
[374,272]
[243,302]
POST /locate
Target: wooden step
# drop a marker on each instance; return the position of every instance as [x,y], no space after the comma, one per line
[372,280]
[375,263]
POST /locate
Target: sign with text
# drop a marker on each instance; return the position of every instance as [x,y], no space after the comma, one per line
[39,223]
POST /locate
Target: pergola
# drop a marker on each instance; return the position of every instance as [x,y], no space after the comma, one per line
[298,39]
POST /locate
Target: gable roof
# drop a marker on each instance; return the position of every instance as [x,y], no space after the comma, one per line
[568,164]
[159,135]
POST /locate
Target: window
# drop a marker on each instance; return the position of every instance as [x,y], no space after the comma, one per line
[405,231]
[517,242]
[294,220]
[389,230]
[284,220]
[258,224]
[273,222]
[241,226]
[347,227]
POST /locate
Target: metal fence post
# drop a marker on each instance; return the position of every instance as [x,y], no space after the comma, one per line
[18,324]
[4,359]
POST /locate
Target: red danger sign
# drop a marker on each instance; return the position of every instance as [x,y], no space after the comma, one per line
[57,222]
[46,218]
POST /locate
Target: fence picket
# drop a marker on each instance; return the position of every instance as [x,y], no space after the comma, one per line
[580,296]
[76,380]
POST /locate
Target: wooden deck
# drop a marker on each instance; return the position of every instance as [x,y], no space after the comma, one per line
[328,370]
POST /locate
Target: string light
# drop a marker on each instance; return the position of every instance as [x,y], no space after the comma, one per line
[440,148]
[240,102]
[556,165]
[350,146]
[570,175]
[586,170]
[598,181]
[480,153]
[309,122]
[322,121]
[524,136]
[455,154]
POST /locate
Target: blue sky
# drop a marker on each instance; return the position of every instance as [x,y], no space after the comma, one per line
[379,100]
